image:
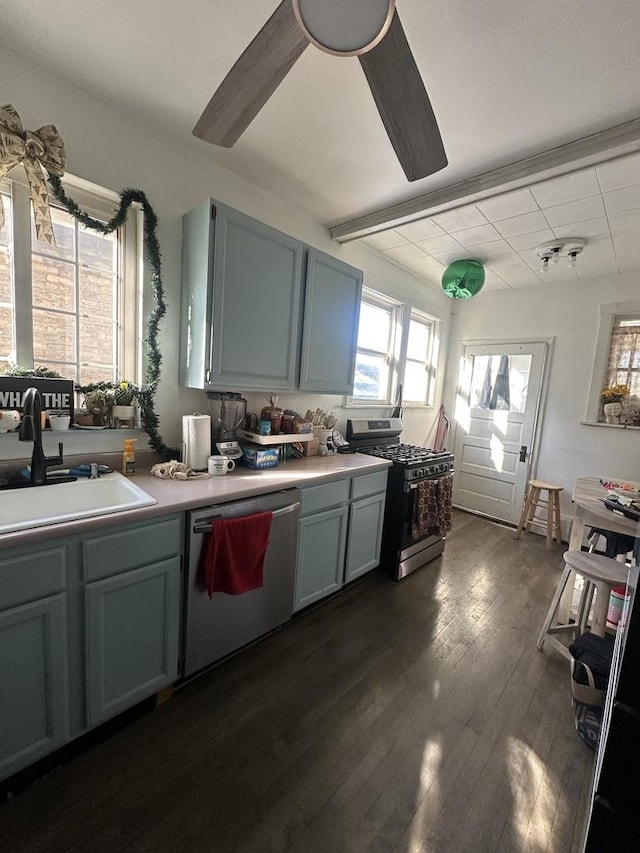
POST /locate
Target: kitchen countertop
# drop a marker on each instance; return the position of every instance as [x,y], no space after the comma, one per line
[181,495]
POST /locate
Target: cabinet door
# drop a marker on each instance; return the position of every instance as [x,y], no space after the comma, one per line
[365,535]
[132,637]
[33,682]
[257,276]
[321,548]
[330,328]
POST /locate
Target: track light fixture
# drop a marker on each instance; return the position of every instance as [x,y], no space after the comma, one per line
[568,248]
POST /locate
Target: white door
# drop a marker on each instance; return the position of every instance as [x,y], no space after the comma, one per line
[496,410]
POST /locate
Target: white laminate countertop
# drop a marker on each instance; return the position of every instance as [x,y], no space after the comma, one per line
[181,495]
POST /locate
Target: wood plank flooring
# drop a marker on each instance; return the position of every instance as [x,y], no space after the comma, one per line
[414,717]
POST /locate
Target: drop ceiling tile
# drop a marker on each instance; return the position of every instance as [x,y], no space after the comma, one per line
[403,253]
[437,245]
[423,264]
[508,205]
[385,240]
[630,219]
[615,174]
[449,257]
[420,229]
[489,251]
[629,263]
[530,241]
[510,267]
[575,211]
[480,234]
[494,282]
[590,228]
[463,217]
[566,188]
[519,282]
[626,198]
[527,223]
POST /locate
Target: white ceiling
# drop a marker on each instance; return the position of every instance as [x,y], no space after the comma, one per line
[507,80]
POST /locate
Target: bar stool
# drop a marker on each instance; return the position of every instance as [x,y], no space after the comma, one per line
[552,523]
[600,574]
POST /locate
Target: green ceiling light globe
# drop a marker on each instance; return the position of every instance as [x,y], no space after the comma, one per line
[463,279]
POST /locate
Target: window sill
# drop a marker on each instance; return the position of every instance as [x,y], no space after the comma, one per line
[609,426]
[76,442]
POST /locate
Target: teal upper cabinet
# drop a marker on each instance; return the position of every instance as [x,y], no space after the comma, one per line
[242,283]
[242,322]
[330,328]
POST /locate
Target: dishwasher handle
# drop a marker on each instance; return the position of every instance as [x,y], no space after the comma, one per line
[204,526]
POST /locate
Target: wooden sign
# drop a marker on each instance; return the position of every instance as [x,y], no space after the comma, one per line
[56,394]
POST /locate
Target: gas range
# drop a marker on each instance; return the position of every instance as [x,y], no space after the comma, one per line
[416,463]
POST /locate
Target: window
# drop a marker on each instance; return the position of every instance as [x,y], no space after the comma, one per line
[623,363]
[378,340]
[421,360]
[73,308]
[396,345]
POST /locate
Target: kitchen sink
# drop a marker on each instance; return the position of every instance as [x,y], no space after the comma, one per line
[36,506]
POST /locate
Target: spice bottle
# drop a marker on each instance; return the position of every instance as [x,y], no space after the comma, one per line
[129,457]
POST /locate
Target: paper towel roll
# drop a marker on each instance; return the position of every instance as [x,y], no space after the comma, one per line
[196,441]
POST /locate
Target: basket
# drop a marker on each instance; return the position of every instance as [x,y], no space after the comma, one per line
[586,694]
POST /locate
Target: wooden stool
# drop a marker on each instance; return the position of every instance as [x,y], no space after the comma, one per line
[552,524]
[600,574]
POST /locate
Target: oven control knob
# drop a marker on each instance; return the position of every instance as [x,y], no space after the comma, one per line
[419,472]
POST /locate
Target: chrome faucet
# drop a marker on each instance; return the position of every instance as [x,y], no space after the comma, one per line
[31,430]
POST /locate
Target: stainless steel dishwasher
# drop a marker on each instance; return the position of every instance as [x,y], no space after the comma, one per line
[215,627]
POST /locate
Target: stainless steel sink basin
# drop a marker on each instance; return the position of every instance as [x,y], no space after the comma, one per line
[36,506]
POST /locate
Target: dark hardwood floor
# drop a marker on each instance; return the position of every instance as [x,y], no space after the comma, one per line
[406,717]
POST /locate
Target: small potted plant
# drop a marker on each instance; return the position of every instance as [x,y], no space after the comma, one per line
[98,404]
[612,397]
[123,411]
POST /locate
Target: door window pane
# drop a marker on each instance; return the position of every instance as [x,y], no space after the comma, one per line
[500,382]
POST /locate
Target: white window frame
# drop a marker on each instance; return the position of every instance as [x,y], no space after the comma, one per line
[101,204]
[396,309]
[608,315]
[430,358]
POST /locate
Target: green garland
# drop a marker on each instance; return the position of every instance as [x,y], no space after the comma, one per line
[128,197]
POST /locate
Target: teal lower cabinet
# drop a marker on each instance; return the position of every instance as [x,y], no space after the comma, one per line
[33,682]
[89,626]
[365,536]
[321,547]
[340,534]
[137,610]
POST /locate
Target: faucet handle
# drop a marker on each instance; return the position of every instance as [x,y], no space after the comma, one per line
[60,448]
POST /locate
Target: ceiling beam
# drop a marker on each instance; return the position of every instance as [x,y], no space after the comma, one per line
[583,153]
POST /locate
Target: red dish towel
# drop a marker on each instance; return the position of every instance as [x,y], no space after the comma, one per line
[234,558]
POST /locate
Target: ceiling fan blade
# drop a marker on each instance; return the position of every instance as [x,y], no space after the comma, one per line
[253,79]
[403,104]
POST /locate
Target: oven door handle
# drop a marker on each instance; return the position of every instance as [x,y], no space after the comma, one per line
[413,486]
[204,526]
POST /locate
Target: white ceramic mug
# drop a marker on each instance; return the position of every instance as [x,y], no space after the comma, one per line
[220,465]
[8,420]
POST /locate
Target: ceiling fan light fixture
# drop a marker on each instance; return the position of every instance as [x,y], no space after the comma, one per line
[344,27]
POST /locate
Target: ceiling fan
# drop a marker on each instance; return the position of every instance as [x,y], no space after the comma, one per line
[370,30]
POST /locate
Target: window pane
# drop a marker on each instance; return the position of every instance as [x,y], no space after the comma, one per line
[53,283]
[6,332]
[5,232]
[374,328]
[500,382]
[97,295]
[90,373]
[97,251]
[64,232]
[97,342]
[371,379]
[414,389]
[66,371]
[54,336]
[418,341]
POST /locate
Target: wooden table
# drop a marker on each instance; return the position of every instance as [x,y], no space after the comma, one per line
[589,511]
